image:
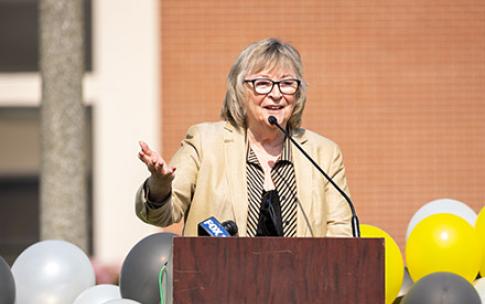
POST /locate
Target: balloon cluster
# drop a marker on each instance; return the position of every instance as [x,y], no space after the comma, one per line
[445,252]
[56,272]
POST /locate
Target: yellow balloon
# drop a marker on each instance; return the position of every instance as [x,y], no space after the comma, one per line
[393,260]
[443,242]
[480,228]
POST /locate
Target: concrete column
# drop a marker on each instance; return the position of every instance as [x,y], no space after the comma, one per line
[63,172]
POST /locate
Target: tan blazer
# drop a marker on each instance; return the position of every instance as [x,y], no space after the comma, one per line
[211,181]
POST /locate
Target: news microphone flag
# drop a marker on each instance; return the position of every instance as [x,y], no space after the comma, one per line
[212,227]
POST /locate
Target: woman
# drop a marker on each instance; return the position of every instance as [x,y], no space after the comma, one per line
[229,169]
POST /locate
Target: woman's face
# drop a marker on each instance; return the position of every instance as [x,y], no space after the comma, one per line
[280,105]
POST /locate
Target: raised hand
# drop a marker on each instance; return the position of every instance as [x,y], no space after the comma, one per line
[162,174]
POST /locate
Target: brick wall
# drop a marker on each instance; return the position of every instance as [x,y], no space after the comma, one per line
[399,85]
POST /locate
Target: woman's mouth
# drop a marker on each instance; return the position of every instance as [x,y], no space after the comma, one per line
[273,107]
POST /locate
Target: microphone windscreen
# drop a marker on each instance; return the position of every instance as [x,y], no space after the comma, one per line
[231,227]
[272,120]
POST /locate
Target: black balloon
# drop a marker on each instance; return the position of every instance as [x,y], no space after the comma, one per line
[442,288]
[139,278]
[7,284]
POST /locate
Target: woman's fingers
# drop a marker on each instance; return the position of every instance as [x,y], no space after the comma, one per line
[145,158]
[163,168]
[159,167]
[144,147]
[147,155]
[154,162]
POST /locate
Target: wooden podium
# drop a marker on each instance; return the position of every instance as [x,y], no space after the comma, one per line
[278,270]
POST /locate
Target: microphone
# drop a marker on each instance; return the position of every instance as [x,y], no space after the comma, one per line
[212,227]
[231,227]
[355,220]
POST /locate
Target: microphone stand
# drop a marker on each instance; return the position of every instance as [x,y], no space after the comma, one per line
[355,220]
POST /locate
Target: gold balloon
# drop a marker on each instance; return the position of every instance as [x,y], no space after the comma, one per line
[443,242]
[393,260]
[480,229]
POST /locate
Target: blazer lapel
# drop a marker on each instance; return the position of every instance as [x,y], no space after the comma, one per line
[304,181]
[235,166]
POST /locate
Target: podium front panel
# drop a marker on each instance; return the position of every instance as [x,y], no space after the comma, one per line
[278,270]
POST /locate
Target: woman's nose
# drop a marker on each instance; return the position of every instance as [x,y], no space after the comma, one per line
[275,92]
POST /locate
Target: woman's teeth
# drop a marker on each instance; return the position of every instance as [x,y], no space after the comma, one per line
[273,107]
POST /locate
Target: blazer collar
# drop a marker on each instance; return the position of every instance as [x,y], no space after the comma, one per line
[235,157]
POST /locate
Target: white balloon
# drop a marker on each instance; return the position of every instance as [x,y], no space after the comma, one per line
[99,294]
[122,301]
[51,272]
[480,287]
[444,205]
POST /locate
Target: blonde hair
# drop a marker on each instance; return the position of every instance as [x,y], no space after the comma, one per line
[265,54]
